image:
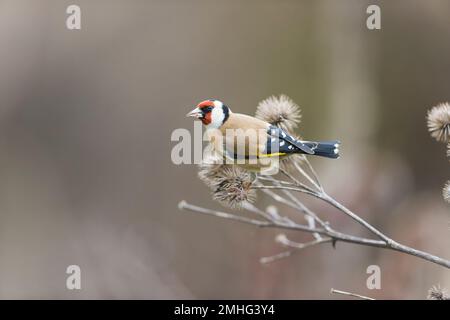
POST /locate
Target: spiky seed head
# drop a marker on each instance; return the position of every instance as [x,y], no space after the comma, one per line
[279,111]
[210,169]
[233,187]
[438,120]
[437,293]
[446,192]
[230,185]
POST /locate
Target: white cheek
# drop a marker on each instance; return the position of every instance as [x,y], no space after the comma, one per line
[217,117]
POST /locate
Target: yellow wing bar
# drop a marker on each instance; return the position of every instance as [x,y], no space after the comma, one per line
[266,155]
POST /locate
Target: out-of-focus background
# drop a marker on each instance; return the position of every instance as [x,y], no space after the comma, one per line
[86,117]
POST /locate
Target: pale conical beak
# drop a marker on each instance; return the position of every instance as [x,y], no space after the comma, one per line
[196,113]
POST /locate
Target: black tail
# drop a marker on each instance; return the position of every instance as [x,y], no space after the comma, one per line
[329,149]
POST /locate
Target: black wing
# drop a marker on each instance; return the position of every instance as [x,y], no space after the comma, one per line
[286,142]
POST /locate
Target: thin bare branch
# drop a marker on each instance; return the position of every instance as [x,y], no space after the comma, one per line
[299,189]
[305,209]
[281,238]
[297,182]
[333,234]
[307,177]
[294,245]
[354,216]
[294,203]
[270,179]
[279,198]
[275,257]
[283,225]
[345,293]
[183,205]
[254,209]
[315,176]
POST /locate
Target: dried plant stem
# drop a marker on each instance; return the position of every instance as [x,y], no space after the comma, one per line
[305,209]
[301,189]
[275,257]
[313,172]
[353,216]
[296,246]
[345,293]
[289,243]
[183,205]
[325,197]
[278,224]
[280,199]
[294,202]
[297,182]
[307,176]
[329,232]
[389,243]
[321,230]
[270,179]
[310,216]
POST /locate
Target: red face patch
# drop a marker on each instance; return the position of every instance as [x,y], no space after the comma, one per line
[206,118]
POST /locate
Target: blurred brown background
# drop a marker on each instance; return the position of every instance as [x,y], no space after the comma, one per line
[86,117]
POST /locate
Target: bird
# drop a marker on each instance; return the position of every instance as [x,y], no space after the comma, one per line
[253,143]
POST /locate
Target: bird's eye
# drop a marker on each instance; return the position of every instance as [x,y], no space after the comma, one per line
[207,109]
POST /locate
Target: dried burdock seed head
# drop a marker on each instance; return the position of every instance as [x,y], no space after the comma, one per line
[211,168]
[230,185]
[233,187]
[437,293]
[446,192]
[279,111]
[438,120]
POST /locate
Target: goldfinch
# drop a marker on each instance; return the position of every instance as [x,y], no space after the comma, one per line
[250,142]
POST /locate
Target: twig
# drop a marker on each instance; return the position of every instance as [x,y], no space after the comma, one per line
[280,199]
[331,233]
[296,246]
[350,294]
[335,235]
[300,189]
[297,182]
[316,177]
[303,172]
[263,214]
[325,197]
[389,243]
[294,203]
[281,238]
[310,216]
[278,256]
[354,216]
[305,209]
[183,205]
[270,179]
